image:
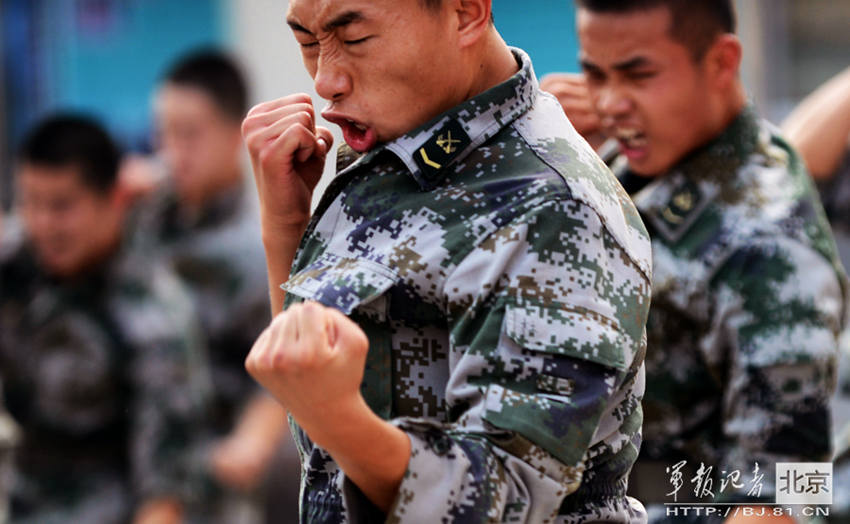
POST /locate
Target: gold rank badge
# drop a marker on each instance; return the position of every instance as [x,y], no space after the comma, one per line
[684,199]
[441,148]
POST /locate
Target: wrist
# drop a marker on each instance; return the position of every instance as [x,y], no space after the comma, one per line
[277,232]
[350,435]
[331,425]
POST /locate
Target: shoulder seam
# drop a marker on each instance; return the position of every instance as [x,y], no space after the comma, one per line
[572,196]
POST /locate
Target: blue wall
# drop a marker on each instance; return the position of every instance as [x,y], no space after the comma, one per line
[102,57]
[545,29]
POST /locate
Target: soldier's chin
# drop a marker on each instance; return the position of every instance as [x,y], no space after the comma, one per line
[59,265]
[644,165]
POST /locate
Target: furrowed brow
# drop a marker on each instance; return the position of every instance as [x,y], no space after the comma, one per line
[298,27]
[589,66]
[634,63]
[344,19]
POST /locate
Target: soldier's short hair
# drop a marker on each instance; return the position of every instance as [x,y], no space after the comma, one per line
[695,23]
[71,140]
[436,4]
[217,75]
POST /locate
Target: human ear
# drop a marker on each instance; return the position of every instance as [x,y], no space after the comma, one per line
[474,17]
[723,60]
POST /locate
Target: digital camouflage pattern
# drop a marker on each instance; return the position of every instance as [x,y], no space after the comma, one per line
[835,192]
[218,254]
[502,277]
[101,373]
[748,298]
[9,432]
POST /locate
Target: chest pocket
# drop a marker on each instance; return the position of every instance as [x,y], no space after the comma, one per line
[358,288]
[577,332]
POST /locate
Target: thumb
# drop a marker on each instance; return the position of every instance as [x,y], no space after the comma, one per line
[324,134]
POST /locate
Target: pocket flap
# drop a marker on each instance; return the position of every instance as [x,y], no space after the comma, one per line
[341,282]
[573,331]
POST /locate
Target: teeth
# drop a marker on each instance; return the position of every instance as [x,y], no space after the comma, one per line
[359,126]
[632,137]
[626,134]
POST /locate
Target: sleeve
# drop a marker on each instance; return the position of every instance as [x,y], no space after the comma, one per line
[170,385]
[777,314]
[546,321]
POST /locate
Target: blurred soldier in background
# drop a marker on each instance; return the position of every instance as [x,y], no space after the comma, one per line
[9,438]
[203,219]
[9,432]
[748,292]
[99,354]
[820,129]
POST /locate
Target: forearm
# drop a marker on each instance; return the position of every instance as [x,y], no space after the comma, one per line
[280,244]
[820,126]
[263,420]
[161,510]
[241,460]
[349,433]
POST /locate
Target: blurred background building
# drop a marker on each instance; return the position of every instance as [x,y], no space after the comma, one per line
[105,56]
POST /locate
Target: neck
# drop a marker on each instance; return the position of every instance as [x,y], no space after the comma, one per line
[733,104]
[493,64]
[196,203]
[94,263]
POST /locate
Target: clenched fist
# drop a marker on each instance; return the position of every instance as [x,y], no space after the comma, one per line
[288,156]
[311,359]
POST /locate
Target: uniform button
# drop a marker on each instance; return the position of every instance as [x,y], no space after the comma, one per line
[441,444]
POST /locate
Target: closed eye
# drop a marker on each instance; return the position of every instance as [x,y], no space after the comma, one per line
[357,41]
[641,75]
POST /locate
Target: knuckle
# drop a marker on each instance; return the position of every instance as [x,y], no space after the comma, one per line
[265,156]
[307,109]
[304,98]
[252,141]
[280,362]
[247,126]
[256,109]
[304,119]
[292,309]
[311,306]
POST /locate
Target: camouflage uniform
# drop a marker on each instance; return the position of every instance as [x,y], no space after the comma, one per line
[748,297]
[507,345]
[9,430]
[835,193]
[219,255]
[99,372]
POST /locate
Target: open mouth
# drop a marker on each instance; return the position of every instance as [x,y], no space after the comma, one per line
[631,138]
[359,136]
[633,143]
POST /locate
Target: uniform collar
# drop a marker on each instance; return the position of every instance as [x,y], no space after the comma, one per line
[430,150]
[674,201]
